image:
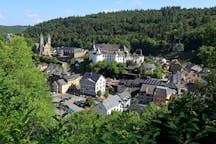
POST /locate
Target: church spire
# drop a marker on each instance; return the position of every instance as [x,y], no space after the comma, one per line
[49,40]
[41,43]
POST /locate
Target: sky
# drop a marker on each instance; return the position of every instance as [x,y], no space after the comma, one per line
[31,12]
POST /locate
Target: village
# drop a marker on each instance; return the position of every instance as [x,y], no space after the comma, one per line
[145,80]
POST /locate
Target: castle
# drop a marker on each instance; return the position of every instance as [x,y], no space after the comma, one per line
[113,52]
[44,49]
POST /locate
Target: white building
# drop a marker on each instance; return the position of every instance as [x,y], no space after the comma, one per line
[113,52]
[91,83]
[119,102]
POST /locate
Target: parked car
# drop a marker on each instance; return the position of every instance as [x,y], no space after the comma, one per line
[70,110]
[80,103]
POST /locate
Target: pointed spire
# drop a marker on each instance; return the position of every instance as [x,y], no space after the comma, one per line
[49,40]
[41,43]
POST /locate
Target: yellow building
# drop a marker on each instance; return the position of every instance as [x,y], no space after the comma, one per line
[73,80]
[63,86]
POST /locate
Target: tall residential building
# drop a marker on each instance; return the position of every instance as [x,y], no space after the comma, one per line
[91,83]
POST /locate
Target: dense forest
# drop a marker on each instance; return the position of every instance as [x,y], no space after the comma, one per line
[154,31]
[12,29]
[26,111]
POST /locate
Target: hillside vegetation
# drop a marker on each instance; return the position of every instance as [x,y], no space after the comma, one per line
[12,29]
[26,111]
[154,31]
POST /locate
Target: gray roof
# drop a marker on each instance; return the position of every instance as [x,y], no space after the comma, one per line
[91,76]
[148,66]
[54,69]
[148,89]
[108,47]
[124,95]
[70,77]
[111,102]
[61,82]
[163,91]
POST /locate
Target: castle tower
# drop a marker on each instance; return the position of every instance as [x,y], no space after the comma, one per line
[41,43]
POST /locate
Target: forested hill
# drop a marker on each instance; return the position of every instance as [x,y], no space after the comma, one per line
[12,29]
[151,30]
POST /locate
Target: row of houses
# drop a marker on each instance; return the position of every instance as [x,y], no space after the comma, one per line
[153,90]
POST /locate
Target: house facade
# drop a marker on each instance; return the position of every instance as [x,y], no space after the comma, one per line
[161,94]
[113,52]
[145,94]
[63,86]
[91,83]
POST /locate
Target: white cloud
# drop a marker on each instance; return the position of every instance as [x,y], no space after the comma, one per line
[33,17]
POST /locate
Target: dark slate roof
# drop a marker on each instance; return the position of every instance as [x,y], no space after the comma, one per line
[172,86]
[137,82]
[153,82]
[111,102]
[92,76]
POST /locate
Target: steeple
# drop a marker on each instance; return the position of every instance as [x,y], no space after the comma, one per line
[41,43]
[49,40]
